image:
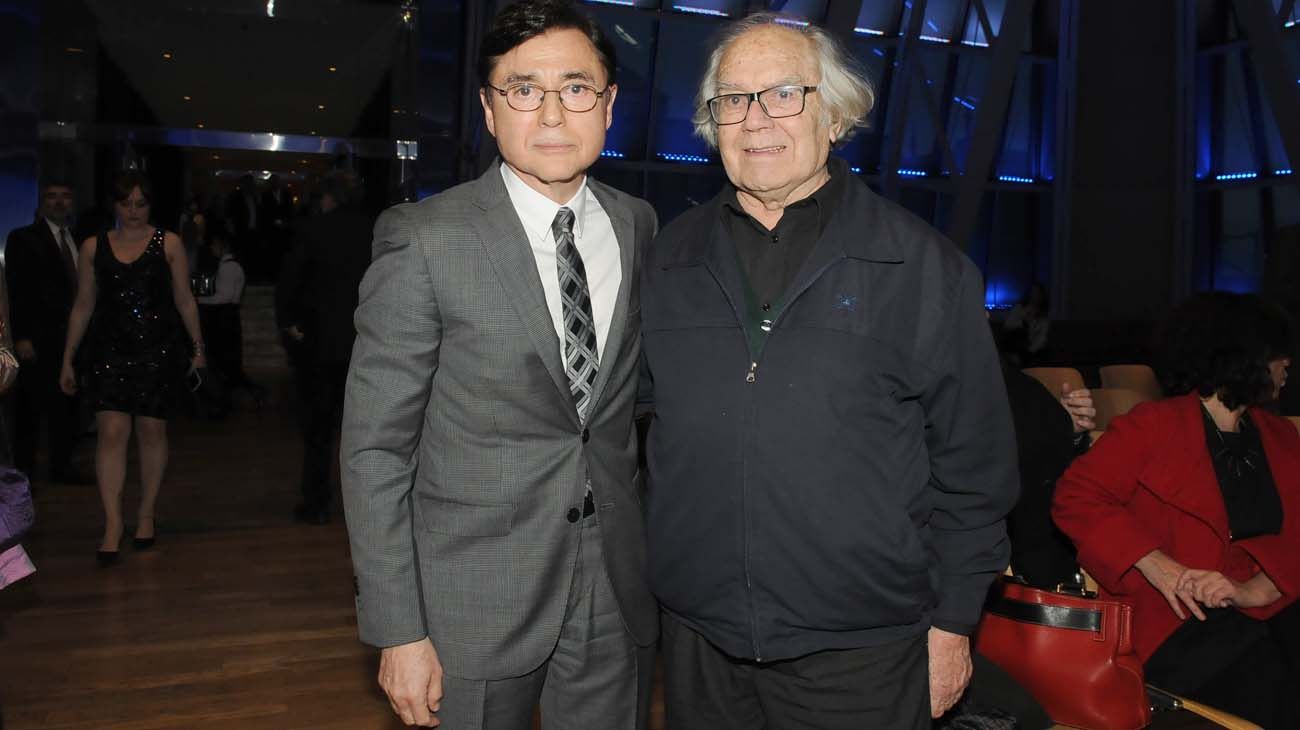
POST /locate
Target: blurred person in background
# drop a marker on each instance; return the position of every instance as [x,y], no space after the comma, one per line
[41,270]
[219,317]
[316,298]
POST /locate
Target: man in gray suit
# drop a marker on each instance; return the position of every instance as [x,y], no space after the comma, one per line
[489,454]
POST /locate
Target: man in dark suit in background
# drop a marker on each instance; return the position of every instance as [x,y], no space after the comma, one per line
[41,269]
[315,300]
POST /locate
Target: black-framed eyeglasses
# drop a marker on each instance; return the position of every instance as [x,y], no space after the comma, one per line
[527,97]
[777,102]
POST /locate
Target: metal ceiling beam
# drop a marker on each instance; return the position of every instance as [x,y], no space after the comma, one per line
[896,111]
[1276,72]
[989,121]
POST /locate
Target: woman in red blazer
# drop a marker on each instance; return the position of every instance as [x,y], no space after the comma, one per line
[1189,510]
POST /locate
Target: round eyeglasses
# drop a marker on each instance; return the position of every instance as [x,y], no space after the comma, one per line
[777,102]
[576,98]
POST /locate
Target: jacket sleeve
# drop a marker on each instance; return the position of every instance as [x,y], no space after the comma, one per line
[972,448]
[20,272]
[399,330]
[1092,498]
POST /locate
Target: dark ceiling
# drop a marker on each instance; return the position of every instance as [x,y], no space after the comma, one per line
[285,66]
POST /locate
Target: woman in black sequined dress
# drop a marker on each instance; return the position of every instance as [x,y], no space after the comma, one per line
[133,334]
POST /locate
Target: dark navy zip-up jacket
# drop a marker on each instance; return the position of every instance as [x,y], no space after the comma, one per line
[844,485]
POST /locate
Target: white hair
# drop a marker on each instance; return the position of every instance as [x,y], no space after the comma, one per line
[847,95]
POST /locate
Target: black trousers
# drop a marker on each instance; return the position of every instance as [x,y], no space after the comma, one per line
[1235,663]
[40,402]
[851,689]
[324,405]
[223,332]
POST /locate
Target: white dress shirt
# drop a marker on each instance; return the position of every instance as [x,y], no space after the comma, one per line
[69,243]
[229,283]
[593,235]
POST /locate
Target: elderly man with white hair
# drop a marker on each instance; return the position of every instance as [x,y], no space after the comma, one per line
[831,456]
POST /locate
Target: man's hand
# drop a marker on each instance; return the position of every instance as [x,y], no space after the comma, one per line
[25,350]
[411,676]
[950,669]
[1078,403]
[1166,575]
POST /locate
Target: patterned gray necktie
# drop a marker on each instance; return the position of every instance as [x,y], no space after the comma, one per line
[581,360]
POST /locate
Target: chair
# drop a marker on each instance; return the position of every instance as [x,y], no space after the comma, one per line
[1112,402]
[1133,377]
[1051,378]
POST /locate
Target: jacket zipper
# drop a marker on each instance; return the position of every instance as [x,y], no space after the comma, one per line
[751,377]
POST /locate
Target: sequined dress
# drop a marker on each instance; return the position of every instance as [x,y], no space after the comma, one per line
[135,347]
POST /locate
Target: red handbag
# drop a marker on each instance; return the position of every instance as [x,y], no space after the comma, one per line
[1073,653]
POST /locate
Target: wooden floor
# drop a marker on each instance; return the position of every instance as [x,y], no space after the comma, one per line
[238,618]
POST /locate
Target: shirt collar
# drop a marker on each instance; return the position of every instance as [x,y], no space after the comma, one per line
[536,211]
[55,228]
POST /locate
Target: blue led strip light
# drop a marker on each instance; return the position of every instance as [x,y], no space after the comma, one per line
[1284,171]
[1015,179]
[674,157]
[911,173]
[700,11]
[1237,176]
[868,31]
[627,3]
[611,153]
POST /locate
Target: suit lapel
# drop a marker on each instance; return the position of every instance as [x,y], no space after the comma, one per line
[625,233]
[507,246]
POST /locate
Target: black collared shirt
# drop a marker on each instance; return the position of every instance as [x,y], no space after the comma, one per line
[1249,492]
[770,259]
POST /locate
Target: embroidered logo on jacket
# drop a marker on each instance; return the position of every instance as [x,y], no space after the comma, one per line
[845,303]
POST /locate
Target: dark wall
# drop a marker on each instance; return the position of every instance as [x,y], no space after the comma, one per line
[1121,261]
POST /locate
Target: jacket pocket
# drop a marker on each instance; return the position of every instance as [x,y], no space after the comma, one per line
[462,519]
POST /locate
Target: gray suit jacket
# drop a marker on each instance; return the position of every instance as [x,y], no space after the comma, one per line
[462,453]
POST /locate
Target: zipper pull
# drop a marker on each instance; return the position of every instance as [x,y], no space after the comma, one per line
[749,377]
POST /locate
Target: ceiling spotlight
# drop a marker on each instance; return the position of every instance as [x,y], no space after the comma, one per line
[186,97]
[167,55]
[312,132]
[74,49]
[334,68]
[321,107]
[200,125]
[216,157]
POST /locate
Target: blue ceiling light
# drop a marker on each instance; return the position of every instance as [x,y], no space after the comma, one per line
[1283,171]
[933,39]
[856,170]
[612,153]
[792,21]
[1237,176]
[868,31]
[1015,179]
[625,3]
[906,172]
[700,11]
[964,102]
[674,157]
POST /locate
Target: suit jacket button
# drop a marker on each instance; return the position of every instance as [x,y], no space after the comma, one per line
[586,435]
[574,514]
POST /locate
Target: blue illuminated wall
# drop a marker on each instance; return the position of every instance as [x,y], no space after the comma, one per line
[19,73]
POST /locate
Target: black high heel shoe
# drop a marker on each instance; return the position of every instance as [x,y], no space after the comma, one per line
[107,558]
[144,543]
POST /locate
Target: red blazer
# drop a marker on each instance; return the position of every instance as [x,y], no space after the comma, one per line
[1149,483]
